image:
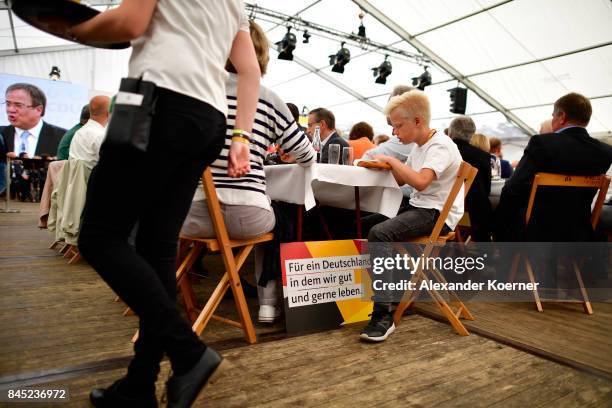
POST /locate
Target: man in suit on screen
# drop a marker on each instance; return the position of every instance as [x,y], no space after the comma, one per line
[27,133]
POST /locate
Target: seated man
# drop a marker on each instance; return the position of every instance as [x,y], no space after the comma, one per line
[461,130]
[64,145]
[326,121]
[505,168]
[87,140]
[245,206]
[431,170]
[557,215]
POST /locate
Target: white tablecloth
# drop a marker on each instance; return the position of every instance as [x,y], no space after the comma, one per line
[333,185]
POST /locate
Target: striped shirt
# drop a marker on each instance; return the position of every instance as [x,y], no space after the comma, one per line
[273,124]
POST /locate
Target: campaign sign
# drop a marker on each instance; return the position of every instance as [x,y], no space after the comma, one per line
[324,284]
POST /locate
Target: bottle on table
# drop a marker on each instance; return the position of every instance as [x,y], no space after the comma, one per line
[272,156]
[316,142]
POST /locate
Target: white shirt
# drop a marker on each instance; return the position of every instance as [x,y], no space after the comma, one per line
[32,139]
[186,46]
[441,155]
[392,147]
[86,143]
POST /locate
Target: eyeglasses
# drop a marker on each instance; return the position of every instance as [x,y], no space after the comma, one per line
[16,105]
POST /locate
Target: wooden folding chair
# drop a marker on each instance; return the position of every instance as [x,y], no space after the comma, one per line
[433,242]
[233,262]
[73,253]
[463,231]
[601,182]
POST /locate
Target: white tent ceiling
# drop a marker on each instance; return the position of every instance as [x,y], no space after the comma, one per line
[518,55]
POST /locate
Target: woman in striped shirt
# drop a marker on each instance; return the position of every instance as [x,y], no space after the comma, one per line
[245,206]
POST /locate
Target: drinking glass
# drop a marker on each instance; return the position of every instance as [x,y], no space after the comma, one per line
[334,154]
[347,156]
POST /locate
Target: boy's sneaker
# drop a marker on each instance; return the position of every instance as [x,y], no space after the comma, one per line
[380,327]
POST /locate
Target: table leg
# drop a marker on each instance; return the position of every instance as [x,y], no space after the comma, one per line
[300,219]
[357,212]
[323,223]
[7,200]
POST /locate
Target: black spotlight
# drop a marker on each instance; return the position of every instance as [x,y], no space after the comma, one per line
[422,81]
[55,74]
[340,59]
[383,71]
[458,97]
[361,32]
[286,46]
[306,37]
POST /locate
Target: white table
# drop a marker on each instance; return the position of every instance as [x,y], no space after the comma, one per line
[334,185]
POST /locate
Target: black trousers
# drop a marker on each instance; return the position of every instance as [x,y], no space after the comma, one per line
[154,188]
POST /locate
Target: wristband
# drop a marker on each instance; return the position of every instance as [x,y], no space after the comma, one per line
[240,139]
[241,133]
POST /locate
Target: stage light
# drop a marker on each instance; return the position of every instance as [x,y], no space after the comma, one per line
[340,59]
[54,75]
[286,46]
[422,80]
[306,37]
[383,71]
[361,31]
[458,97]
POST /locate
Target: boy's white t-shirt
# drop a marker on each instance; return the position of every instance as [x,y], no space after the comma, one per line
[186,46]
[441,155]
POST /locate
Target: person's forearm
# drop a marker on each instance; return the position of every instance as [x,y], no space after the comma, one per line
[405,174]
[248,95]
[124,23]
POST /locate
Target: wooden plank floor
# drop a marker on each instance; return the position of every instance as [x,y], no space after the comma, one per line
[422,364]
[562,329]
[59,325]
[55,315]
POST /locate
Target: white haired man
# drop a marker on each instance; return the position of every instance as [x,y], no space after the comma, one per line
[461,130]
[431,170]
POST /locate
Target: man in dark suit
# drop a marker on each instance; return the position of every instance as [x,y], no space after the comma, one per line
[477,201]
[327,123]
[27,132]
[505,168]
[338,220]
[559,214]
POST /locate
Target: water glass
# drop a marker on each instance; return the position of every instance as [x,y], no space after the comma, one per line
[334,154]
[347,156]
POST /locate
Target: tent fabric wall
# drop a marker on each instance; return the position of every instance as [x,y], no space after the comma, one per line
[483,39]
[97,69]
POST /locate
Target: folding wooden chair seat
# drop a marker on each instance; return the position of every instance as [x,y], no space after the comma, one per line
[433,243]
[601,182]
[233,261]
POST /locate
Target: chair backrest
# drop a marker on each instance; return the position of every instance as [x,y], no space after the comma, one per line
[214,207]
[600,182]
[465,178]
